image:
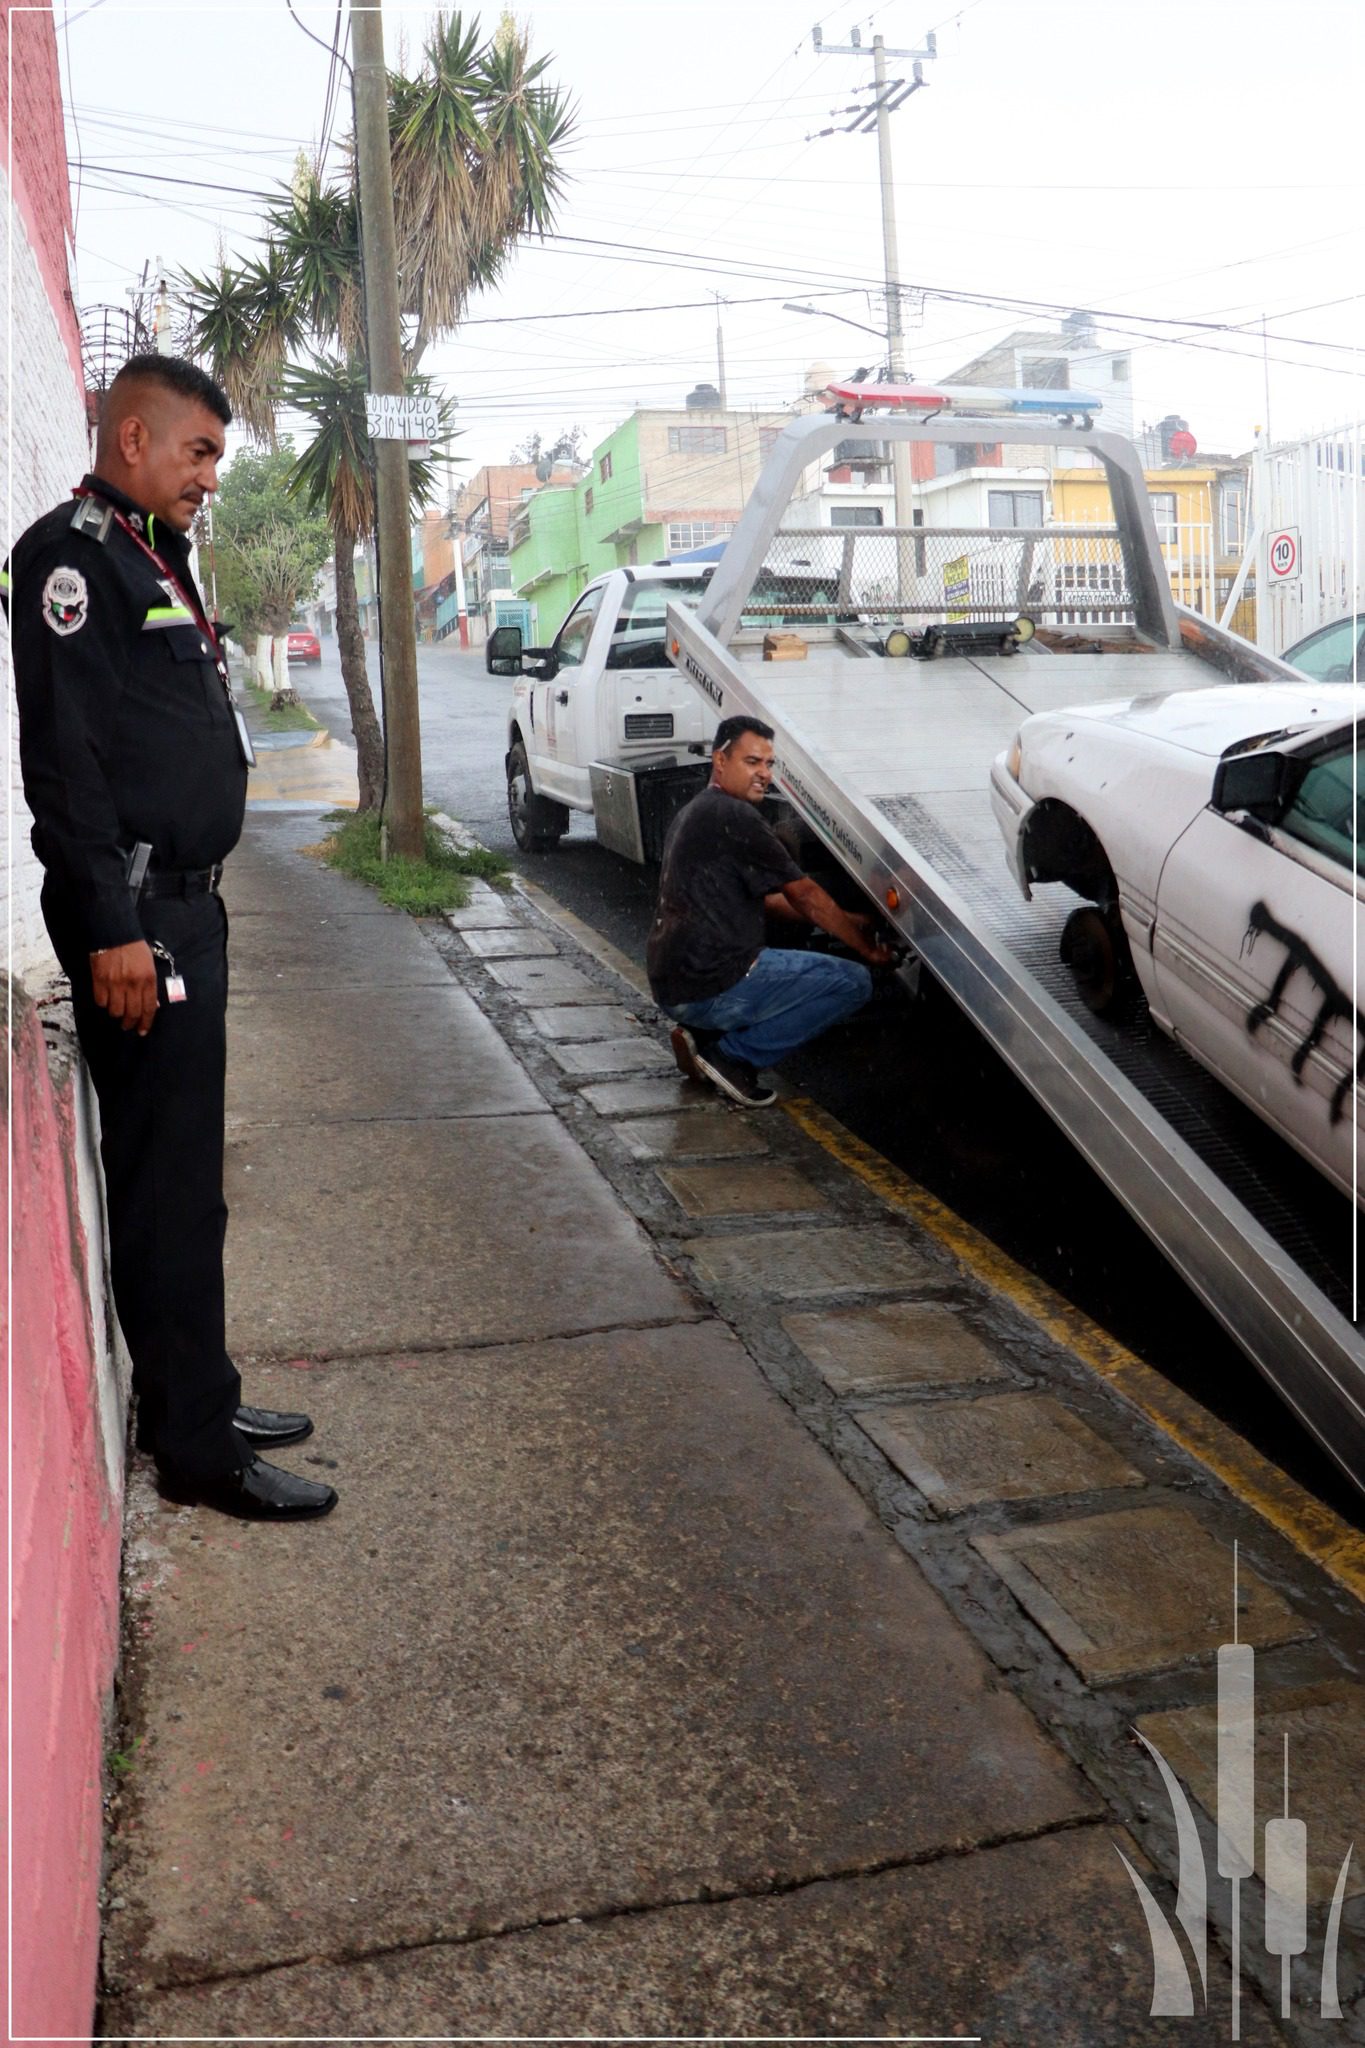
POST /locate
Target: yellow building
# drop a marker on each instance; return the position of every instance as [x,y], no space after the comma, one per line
[1199,509]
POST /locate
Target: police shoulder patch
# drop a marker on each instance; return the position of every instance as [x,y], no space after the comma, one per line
[66,601]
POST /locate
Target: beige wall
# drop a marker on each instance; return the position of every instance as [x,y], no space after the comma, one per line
[700,486]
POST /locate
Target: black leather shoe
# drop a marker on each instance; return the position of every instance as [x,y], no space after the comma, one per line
[258,1493]
[269,1428]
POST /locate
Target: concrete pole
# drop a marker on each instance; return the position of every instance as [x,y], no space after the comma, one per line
[895,325]
[397,631]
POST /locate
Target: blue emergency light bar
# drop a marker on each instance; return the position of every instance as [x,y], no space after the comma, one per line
[972,400]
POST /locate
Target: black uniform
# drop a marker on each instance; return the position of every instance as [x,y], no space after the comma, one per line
[127,733]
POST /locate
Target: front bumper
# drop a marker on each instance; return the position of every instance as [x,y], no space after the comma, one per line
[1011,806]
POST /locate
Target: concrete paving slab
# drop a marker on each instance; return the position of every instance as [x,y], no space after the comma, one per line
[596,1625]
[770,1189]
[290,882]
[587,1022]
[1025,1944]
[805,1262]
[894,1344]
[697,1133]
[332,950]
[1141,1589]
[613,1056]
[636,1098]
[537,982]
[377,1236]
[488,910]
[996,1447]
[510,944]
[1325,1725]
[369,1053]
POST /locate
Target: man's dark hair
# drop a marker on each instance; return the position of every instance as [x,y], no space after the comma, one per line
[729,730]
[173,373]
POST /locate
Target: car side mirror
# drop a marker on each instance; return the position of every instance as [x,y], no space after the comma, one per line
[502,652]
[1252,782]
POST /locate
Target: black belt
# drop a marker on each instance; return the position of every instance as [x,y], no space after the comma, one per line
[182,881]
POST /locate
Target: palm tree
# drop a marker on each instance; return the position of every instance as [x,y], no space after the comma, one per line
[335,474]
[476,138]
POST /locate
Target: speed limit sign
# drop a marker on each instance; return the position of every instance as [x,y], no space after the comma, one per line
[1284,554]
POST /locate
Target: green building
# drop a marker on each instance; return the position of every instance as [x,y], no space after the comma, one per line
[662,483]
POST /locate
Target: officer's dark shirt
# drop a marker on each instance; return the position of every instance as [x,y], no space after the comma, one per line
[720,861]
[126,731]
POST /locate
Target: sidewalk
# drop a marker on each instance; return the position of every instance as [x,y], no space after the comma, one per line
[623,1692]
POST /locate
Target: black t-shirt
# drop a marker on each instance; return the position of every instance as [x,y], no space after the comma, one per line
[720,861]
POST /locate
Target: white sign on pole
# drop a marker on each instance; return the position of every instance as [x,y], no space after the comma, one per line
[390,418]
[1283,555]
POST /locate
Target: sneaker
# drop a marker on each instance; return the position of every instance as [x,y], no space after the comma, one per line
[685,1052]
[735,1078]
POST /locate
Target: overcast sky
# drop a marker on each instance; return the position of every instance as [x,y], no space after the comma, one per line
[1175,166]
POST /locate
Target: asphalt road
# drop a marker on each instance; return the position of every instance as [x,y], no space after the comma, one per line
[911,1078]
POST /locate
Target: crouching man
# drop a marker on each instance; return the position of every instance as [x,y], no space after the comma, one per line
[740,1006]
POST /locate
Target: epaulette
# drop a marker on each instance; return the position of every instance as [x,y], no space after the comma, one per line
[92,517]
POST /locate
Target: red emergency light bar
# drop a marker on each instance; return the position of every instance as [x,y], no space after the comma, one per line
[972,400]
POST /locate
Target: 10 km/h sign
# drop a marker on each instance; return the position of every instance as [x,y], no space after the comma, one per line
[401,418]
[1283,554]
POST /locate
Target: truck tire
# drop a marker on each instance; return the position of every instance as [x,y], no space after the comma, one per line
[538,823]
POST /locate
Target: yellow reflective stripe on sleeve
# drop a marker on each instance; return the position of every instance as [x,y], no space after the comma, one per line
[4,579]
[168,615]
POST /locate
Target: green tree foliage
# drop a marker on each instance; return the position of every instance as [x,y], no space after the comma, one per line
[269,545]
[477,136]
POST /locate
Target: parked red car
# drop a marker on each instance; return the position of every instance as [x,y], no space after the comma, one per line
[303,646]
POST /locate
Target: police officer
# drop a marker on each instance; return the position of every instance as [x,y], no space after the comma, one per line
[134,762]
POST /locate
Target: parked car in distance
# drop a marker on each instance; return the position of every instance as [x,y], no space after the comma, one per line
[304,646]
[1334,654]
[1217,837]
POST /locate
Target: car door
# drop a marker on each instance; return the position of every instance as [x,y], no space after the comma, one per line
[1257,934]
[1334,654]
[563,707]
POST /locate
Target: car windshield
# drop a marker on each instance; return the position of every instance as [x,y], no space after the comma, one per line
[1329,655]
[638,637]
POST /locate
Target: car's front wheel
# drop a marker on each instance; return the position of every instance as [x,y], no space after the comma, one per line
[1095,947]
[538,823]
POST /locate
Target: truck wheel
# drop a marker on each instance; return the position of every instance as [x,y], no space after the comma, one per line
[1095,947]
[538,823]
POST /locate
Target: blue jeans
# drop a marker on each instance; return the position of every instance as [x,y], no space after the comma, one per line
[786,998]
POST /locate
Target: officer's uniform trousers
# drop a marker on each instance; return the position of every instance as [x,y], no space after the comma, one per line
[161,1102]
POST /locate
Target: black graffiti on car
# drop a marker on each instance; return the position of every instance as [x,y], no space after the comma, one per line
[1300,957]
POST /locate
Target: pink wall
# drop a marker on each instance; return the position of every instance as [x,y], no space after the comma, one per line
[64,1561]
[42,190]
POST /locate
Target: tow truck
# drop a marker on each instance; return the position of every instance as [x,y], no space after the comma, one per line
[921,651]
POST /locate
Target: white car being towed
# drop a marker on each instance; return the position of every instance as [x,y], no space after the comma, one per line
[1218,839]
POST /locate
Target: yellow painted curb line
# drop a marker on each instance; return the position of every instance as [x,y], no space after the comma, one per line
[1314,1530]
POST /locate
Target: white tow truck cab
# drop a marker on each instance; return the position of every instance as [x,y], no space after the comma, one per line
[600,721]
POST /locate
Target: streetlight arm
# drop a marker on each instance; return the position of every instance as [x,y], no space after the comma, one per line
[819,313]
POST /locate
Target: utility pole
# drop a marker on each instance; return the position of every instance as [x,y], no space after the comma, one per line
[888,96]
[403,817]
[720,349]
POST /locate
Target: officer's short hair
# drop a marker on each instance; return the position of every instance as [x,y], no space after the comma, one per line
[729,730]
[173,373]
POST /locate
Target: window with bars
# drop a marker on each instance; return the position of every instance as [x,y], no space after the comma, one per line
[587,499]
[685,534]
[856,515]
[696,441]
[1014,508]
[1164,513]
[604,469]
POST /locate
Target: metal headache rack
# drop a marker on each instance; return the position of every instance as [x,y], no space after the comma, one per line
[1055,575]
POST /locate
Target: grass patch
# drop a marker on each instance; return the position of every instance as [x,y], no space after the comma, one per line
[282,717]
[424,887]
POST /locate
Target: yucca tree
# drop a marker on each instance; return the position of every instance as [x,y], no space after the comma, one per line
[336,476]
[477,138]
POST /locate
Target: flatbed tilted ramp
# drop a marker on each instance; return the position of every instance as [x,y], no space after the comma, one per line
[887,762]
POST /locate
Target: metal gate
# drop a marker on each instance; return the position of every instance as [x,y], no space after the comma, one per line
[1311,494]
